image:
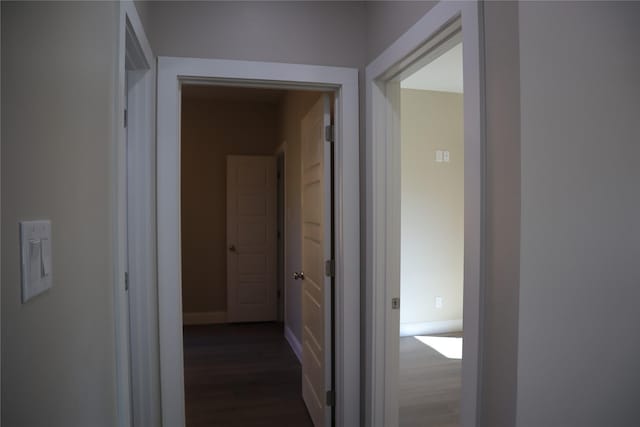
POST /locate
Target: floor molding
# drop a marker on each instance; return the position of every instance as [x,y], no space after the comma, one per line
[426,328]
[293,342]
[204,318]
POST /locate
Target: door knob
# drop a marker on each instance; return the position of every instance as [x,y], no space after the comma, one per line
[298,275]
[232,248]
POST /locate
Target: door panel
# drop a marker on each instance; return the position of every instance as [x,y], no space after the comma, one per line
[251,239]
[316,249]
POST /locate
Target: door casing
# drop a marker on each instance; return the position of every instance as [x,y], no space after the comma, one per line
[383,207]
[133,193]
[343,82]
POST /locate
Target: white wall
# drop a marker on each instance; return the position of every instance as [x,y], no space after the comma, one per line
[386,21]
[432,219]
[314,32]
[580,282]
[502,213]
[58,78]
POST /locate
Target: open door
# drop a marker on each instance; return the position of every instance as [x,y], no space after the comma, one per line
[251,239]
[317,374]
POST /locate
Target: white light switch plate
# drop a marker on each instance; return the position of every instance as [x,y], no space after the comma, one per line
[35,258]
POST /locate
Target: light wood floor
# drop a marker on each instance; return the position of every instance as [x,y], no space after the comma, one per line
[429,386]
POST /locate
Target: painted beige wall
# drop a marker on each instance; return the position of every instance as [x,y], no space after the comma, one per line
[294,107]
[58,77]
[211,130]
[432,237]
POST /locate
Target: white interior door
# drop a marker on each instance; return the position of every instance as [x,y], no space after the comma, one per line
[316,251]
[251,239]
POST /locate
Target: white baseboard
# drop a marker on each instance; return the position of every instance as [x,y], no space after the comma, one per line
[204,318]
[426,328]
[293,342]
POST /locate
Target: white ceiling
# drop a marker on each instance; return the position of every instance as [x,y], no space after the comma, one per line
[443,74]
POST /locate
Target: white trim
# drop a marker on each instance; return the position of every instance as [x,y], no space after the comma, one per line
[0,239]
[171,71]
[204,318]
[427,328]
[294,343]
[119,235]
[136,165]
[382,251]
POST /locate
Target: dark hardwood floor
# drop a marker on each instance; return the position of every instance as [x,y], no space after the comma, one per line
[242,375]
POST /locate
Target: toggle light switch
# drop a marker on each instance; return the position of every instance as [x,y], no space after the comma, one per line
[45,257]
[35,258]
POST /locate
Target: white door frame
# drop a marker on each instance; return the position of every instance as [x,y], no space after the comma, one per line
[134,174]
[383,229]
[344,81]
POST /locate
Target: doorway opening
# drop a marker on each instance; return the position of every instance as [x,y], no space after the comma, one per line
[432,238]
[256,232]
[426,139]
[173,74]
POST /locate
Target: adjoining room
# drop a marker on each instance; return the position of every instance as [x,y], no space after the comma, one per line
[432,240]
[252,168]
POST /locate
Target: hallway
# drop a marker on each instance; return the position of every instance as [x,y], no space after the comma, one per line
[241,375]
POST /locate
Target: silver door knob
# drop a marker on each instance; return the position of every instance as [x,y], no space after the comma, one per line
[298,275]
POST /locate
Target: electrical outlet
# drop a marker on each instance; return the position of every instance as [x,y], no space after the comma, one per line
[439,301]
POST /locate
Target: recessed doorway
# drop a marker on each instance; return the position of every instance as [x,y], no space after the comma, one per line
[432,240]
[243,364]
[425,139]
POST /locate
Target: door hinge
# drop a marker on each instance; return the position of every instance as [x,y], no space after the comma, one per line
[126,280]
[395,303]
[126,117]
[330,268]
[330,133]
[331,398]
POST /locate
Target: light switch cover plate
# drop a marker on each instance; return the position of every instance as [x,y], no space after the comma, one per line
[35,258]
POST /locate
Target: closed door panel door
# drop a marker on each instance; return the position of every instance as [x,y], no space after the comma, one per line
[316,251]
[251,238]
